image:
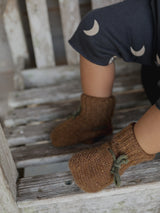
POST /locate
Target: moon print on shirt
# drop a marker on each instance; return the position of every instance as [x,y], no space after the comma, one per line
[94,30]
[158,60]
[139,52]
[112,59]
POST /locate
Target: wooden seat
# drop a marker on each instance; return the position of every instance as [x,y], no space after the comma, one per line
[50,94]
[28,129]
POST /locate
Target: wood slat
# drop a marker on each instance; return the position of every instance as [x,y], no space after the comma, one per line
[7,202]
[46,153]
[70,17]
[140,186]
[39,132]
[50,76]
[45,95]
[68,89]
[52,111]
[103,3]
[15,33]
[29,134]
[7,167]
[40,32]
[58,74]
[40,113]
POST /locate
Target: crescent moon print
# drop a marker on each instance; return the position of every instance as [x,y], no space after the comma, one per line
[112,59]
[158,60]
[139,52]
[94,30]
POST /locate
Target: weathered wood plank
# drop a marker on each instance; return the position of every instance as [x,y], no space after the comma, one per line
[46,153]
[58,74]
[40,113]
[45,95]
[103,3]
[15,33]
[140,187]
[50,76]
[67,90]
[7,165]
[7,202]
[40,131]
[52,111]
[29,134]
[40,31]
[70,17]
[50,154]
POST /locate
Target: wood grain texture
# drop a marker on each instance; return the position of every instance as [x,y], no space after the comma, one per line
[21,116]
[7,200]
[103,3]
[68,90]
[7,164]
[46,153]
[15,33]
[39,131]
[140,185]
[70,17]
[37,111]
[40,32]
[59,74]
[50,76]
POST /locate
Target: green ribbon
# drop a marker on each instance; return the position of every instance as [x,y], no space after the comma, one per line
[77,112]
[122,159]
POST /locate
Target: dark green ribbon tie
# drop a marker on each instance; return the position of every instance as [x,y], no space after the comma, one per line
[122,159]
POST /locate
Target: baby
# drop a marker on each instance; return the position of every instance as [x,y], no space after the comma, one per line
[129,30]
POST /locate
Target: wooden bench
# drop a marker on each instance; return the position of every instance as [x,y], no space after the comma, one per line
[44,97]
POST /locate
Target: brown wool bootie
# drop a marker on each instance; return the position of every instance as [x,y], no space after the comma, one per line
[95,168]
[92,120]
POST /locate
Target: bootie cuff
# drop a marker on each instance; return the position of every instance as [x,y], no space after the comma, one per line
[125,142]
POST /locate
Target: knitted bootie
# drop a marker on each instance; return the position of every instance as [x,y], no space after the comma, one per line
[92,120]
[97,167]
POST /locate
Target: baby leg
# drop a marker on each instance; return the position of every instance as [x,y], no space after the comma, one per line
[96,80]
[95,168]
[93,121]
[147,129]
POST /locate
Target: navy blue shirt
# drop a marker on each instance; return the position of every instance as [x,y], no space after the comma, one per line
[155,6]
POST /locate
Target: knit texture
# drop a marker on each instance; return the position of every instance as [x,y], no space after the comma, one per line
[93,168]
[92,120]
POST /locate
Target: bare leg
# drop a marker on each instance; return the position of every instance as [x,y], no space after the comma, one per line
[147,131]
[96,107]
[96,80]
